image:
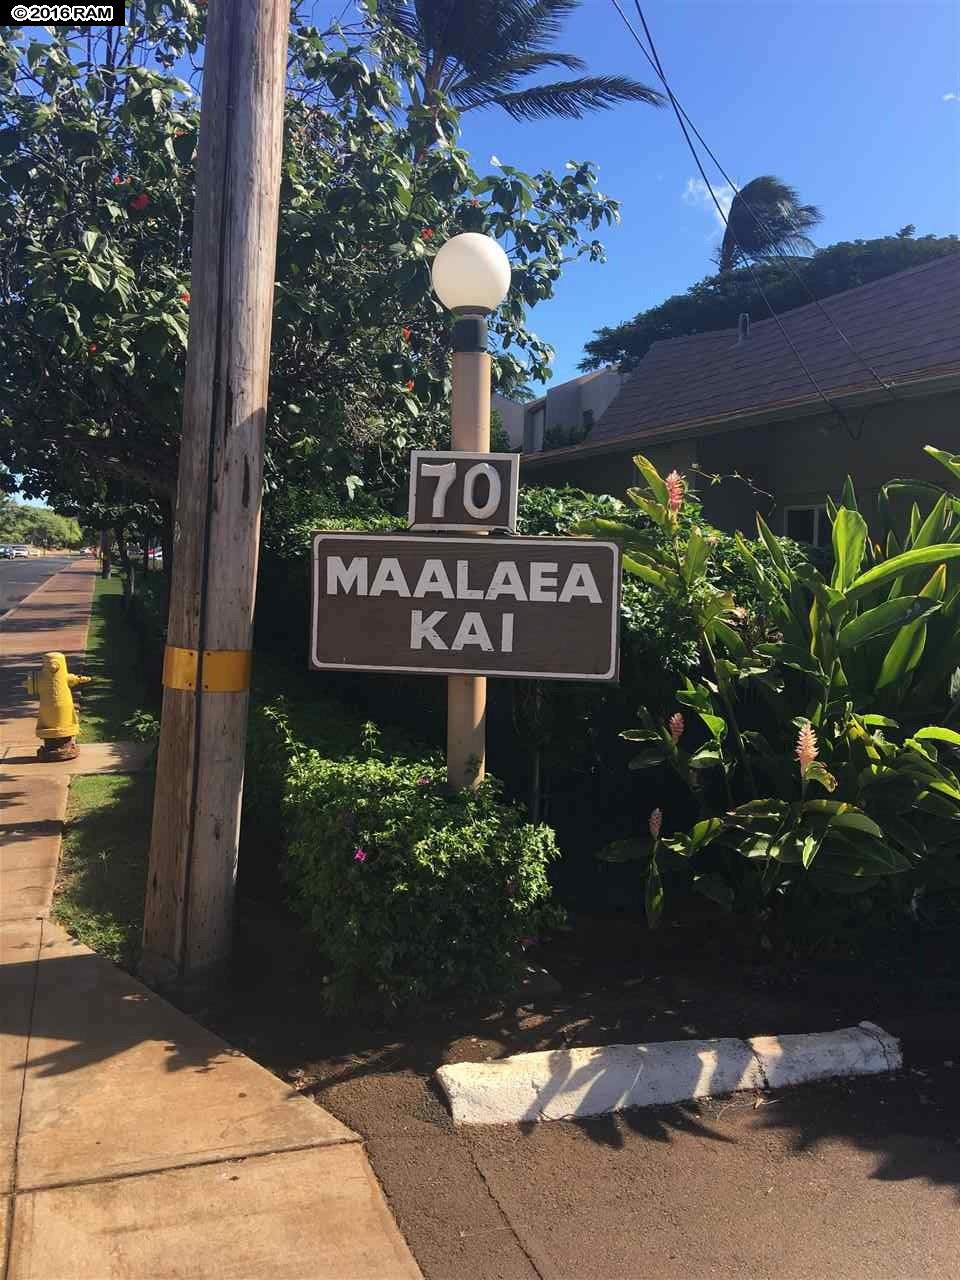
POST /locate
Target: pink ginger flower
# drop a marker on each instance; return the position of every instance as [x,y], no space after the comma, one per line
[656,822]
[676,726]
[675,491]
[807,750]
[360,855]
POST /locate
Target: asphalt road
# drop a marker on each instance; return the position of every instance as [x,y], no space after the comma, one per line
[19,577]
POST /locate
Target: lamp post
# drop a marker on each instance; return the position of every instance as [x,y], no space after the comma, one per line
[471,277]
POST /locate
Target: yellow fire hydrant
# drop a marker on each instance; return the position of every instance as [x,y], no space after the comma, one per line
[57,724]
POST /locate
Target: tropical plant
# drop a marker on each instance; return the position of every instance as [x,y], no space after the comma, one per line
[807,753]
[482,53]
[766,218]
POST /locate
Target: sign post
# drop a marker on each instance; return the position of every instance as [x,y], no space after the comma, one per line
[470,432]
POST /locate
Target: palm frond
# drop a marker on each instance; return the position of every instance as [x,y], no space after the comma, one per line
[474,90]
[535,24]
[572,99]
[766,217]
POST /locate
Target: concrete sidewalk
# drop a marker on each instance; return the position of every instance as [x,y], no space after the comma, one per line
[135,1145]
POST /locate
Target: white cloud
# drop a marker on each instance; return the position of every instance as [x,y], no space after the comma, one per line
[697,193]
[951,97]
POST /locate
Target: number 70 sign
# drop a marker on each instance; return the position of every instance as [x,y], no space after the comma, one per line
[460,492]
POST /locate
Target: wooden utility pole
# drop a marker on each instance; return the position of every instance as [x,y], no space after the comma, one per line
[196,820]
[470,432]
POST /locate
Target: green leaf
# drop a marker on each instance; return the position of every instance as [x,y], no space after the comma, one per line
[849,541]
[708,757]
[655,481]
[716,724]
[656,511]
[731,639]
[817,771]
[715,888]
[883,618]
[809,848]
[888,569]
[648,759]
[696,556]
[634,849]
[639,570]
[642,735]
[908,645]
[949,460]
[695,696]
[938,733]
[791,655]
[654,895]
[773,546]
[848,496]
[704,832]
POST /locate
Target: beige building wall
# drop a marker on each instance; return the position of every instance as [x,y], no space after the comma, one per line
[813,457]
[773,466]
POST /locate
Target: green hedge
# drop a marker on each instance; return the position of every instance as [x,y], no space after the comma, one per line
[411,892]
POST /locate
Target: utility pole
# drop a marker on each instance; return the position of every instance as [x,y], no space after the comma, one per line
[196,819]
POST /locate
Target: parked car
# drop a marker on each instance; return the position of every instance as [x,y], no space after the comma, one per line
[6,553]
[19,551]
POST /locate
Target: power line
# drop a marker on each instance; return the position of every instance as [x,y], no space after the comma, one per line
[655,60]
[683,119]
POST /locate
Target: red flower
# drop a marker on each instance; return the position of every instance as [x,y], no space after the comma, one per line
[140,202]
[92,348]
[475,203]
[117,180]
[184,297]
[409,385]
[427,233]
[406,333]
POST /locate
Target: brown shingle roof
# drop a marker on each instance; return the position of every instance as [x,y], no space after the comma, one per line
[907,326]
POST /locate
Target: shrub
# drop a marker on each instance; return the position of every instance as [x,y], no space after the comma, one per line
[805,749]
[411,891]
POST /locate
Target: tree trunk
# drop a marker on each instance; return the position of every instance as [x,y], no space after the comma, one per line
[126,564]
[166,553]
[105,553]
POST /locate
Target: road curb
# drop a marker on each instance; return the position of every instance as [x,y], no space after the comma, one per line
[568,1083]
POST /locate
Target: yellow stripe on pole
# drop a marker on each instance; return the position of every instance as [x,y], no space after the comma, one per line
[224,670]
[179,668]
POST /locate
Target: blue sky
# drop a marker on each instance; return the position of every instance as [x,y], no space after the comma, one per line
[846,101]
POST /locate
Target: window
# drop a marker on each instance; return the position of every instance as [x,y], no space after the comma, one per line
[807,524]
[587,421]
[533,428]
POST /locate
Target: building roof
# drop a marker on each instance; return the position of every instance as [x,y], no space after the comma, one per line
[907,326]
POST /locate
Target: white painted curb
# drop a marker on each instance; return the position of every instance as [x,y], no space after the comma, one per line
[587,1082]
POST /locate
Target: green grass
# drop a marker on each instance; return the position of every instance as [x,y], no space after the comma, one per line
[113,659]
[103,863]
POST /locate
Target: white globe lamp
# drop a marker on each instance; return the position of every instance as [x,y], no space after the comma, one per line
[471,274]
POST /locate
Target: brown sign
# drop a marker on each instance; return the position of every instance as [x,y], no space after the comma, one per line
[462,491]
[539,608]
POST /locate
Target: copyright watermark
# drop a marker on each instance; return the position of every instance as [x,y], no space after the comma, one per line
[73,15]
